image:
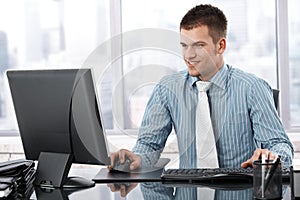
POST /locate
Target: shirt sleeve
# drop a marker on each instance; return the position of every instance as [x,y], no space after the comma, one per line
[155,128]
[268,129]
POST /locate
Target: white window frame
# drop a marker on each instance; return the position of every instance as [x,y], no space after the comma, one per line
[283,71]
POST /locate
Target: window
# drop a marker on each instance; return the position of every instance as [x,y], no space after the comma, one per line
[251,41]
[134,47]
[46,34]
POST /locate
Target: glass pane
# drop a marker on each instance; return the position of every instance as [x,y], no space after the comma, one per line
[294,61]
[251,41]
[47,34]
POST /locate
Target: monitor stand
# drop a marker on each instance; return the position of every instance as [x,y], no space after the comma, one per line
[53,169]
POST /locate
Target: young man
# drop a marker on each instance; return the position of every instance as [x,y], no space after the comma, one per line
[244,119]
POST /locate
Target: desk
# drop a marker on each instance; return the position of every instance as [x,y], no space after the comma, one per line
[146,191]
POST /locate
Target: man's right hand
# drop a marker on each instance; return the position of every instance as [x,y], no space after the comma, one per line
[122,155]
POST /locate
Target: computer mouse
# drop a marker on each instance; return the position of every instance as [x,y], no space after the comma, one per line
[122,167]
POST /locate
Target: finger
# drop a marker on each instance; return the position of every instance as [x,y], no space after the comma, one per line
[123,191]
[246,164]
[267,153]
[271,156]
[130,155]
[136,163]
[112,187]
[113,157]
[131,187]
[122,155]
[135,160]
[257,154]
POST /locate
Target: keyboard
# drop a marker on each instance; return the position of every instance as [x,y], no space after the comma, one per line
[215,175]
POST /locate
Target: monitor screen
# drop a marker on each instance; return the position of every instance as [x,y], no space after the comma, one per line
[57,113]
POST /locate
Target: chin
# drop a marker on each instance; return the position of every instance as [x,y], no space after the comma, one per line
[194,72]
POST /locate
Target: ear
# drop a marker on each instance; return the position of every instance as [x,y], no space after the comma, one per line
[221,45]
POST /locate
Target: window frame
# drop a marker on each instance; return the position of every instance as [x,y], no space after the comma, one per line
[282,44]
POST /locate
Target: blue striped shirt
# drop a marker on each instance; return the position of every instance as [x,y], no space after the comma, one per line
[242,112]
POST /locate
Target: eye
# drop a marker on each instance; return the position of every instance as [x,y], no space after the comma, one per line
[198,45]
[183,45]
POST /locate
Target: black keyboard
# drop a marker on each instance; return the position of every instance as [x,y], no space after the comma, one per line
[215,175]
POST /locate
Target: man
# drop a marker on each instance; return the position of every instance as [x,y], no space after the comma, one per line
[245,121]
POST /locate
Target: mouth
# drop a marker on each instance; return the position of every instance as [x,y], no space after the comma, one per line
[191,62]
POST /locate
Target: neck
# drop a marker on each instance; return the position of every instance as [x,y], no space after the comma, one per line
[207,77]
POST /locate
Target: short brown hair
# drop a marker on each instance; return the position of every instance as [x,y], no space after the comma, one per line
[207,15]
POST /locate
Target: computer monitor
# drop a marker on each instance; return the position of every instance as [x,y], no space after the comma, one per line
[59,122]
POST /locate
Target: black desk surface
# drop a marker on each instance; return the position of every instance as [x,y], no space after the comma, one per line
[136,191]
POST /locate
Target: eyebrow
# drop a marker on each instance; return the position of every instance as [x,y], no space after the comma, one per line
[194,43]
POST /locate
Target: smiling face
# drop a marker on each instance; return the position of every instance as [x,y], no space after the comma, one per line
[202,56]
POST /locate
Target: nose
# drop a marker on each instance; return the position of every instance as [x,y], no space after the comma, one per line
[189,52]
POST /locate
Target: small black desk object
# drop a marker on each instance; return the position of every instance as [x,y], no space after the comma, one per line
[295,181]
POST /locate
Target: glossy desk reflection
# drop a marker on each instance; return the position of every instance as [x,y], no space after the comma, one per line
[146,191]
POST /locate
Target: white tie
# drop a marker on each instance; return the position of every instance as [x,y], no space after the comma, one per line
[207,156]
[206,146]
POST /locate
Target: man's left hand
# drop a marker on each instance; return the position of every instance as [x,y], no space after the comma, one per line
[257,155]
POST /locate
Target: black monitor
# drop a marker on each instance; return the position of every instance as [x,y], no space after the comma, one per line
[59,122]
